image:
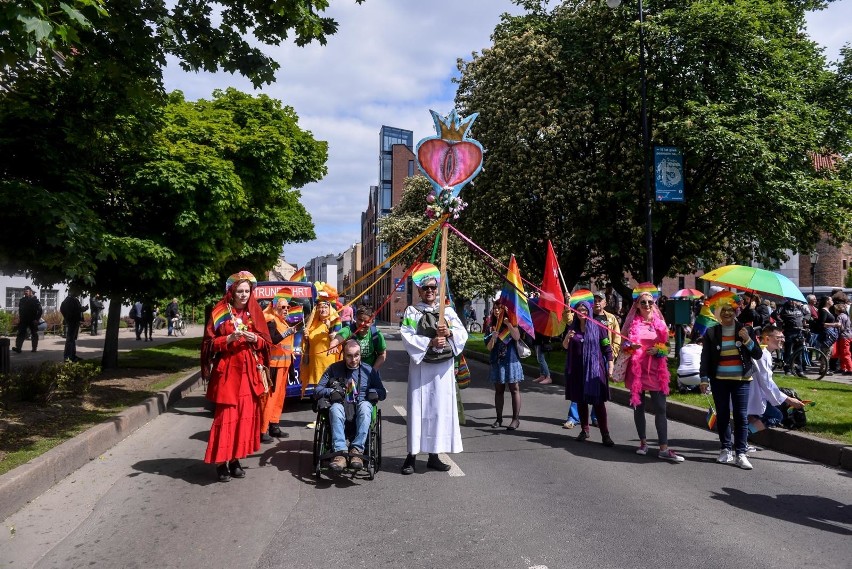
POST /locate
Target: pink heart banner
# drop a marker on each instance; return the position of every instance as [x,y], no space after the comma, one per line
[451,159]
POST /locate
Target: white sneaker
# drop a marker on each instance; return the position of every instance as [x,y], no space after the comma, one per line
[725,457]
[568,425]
[670,455]
[642,450]
[742,462]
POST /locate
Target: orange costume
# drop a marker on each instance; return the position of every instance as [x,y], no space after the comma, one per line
[280,358]
[318,335]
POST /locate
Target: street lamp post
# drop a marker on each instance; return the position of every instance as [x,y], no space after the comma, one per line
[646,144]
[814,259]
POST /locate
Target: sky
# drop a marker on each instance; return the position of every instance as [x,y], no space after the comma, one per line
[390,62]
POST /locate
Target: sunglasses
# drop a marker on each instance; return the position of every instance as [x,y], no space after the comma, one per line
[646,302]
[430,287]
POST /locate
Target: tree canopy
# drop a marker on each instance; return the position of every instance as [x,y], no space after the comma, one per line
[738,87]
[469,277]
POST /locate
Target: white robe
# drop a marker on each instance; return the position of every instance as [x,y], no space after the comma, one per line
[433,421]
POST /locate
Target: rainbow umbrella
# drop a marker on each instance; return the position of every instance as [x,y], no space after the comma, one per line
[646,287]
[755,280]
[689,293]
[545,322]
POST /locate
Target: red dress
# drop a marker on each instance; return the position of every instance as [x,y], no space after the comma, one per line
[235,386]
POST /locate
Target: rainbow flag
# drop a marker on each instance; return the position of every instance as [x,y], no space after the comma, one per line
[351,390]
[504,334]
[299,276]
[295,313]
[221,314]
[515,299]
[704,320]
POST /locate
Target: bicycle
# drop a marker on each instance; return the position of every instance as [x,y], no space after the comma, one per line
[474,327]
[805,361]
[178,325]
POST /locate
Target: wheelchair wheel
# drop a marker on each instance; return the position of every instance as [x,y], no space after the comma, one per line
[378,430]
[321,442]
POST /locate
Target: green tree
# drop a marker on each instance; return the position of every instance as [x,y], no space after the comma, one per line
[43,25]
[468,275]
[739,88]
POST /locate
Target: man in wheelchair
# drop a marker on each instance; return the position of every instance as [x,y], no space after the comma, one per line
[348,389]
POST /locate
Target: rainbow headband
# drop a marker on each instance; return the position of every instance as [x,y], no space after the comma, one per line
[581,295]
[240,276]
[425,271]
[643,288]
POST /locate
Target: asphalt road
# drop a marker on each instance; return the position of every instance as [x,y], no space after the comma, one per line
[532,498]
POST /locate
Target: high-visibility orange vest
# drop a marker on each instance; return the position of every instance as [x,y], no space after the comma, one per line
[280,355]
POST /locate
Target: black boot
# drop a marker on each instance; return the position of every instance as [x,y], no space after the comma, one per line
[275,430]
[435,463]
[408,465]
[222,472]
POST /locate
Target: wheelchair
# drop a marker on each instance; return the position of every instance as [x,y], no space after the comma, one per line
[323,453]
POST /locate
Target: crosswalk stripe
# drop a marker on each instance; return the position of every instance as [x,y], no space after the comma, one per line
[454,468]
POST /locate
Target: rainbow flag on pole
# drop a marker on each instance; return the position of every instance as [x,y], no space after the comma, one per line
[220,315]
[299,276]
[514,298]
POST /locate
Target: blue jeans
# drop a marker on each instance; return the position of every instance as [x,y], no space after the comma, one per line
[71,332]
[728,395]
[772,417]
[574,414]
[337,418]
[542,363]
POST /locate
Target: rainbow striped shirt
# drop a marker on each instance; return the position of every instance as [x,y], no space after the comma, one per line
[730,364]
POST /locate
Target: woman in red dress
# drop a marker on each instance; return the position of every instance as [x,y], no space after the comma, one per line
[236,342]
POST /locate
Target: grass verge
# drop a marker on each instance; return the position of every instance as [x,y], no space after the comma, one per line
[28,430]
[829,418]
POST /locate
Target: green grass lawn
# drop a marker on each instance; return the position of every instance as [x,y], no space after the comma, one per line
[28,431]
[830,418]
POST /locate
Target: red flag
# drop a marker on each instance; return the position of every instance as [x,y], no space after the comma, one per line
[551,298]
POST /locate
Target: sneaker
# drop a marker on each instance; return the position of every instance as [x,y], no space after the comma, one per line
[408,465]
[670,455]
[569,425]
[356,461]
[338,463]
[742,462]
[16,349]
[538,379]
[546,381]
[642,450]
[725,457]
[435,463]
[751,448]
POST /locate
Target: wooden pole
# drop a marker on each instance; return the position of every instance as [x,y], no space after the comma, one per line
[443,284]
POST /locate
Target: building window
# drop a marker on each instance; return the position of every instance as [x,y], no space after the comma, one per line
[411,169]
[387,196]
[681,282]
[13,295]
[845,264]
[48,300]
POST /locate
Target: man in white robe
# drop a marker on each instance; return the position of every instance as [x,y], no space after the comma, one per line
[433,423]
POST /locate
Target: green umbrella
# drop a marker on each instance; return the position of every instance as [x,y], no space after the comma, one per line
[755,280]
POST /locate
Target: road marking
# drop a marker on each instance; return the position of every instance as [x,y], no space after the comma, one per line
[454,468]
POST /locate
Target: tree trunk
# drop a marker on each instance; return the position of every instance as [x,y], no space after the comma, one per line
[109,360]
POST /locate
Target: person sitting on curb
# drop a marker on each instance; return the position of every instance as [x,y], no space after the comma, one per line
[351,387]
[764,390]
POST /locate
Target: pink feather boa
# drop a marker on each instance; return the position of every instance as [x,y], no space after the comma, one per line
[647,372]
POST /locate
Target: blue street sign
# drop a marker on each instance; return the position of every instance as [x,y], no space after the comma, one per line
[399,285]
[668,174]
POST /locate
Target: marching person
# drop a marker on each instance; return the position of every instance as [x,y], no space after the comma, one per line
[236,343]
[433,422]
[320,340]
[505,367]
[280,358]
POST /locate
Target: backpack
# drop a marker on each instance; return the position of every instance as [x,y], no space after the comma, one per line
[793,418]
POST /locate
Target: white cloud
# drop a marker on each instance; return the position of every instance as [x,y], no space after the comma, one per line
[390,62]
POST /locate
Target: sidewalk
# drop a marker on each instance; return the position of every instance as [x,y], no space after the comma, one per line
[802,445]
[52,347]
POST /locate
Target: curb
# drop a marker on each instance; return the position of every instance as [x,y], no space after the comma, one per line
[794,443]
[23,484]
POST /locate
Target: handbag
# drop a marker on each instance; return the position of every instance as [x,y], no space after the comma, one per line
[619,369]
[462,372]
[262,372]
[524,351]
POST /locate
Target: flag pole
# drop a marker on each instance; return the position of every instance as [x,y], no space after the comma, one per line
[443,284]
